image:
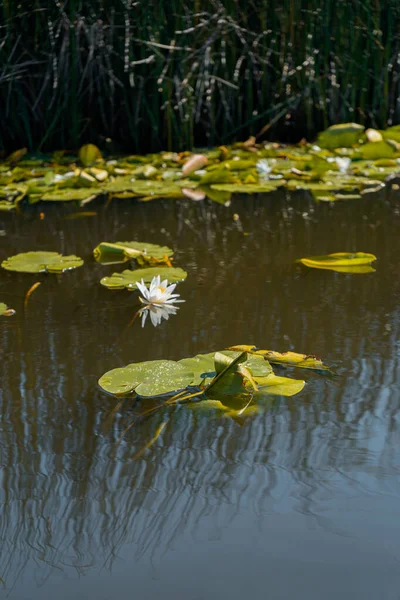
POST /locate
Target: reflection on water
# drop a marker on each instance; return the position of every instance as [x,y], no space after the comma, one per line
[301,500]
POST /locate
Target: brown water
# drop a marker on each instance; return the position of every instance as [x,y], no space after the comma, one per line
[299,502]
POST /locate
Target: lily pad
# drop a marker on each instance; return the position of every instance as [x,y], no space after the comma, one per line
[41,262]
[152,378]
[341,260]
[280,386]
[343,135]
[128,279]
[376,150]
[89,154]
[292,359]
[5,311]
[143,252]
[67,194]
[247,188]
[202,366]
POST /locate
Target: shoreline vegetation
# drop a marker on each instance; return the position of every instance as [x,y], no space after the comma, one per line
[139,77]
[345,162]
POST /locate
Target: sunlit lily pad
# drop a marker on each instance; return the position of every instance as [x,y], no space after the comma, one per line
[147,379]
[202,365]
[282,386]
[340,260]
[343,135]
[41,262]
[376,150]
[127,279]
[293,359]
[143,252]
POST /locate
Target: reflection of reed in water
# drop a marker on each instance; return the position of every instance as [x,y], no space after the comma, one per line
[72,498]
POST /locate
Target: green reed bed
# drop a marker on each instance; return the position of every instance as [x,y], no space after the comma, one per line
[145,75]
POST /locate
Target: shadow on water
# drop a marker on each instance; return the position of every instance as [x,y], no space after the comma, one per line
[301,500]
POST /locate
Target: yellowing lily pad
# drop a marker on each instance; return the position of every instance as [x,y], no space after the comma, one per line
[279,386]
[41,262]
[292,359]
[342,261]
[5,311]
[143,252]
[88,154]
[246,188]
[128,279]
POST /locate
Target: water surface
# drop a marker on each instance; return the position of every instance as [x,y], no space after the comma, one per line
[300,501]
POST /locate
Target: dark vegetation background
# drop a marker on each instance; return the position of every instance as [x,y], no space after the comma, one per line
[144,75]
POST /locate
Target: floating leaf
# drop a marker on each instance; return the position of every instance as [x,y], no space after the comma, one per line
[217,176]
[293,359]
[228,380]
[375,150]
[282,386]
[247,188]
[340,136]
[16,156]
[166,377]
[41,262]
[64,195]
[89,154]
[341,261]
[144,252]
[202,365]
[5,311]
[152,378]
[218,196]
[127,279]
[5,206]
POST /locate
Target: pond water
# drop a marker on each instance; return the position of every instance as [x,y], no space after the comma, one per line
[300,501]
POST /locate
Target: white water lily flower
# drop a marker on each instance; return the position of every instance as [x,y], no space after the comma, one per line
[343,163]
[157,313]
[263,168]
[159,293]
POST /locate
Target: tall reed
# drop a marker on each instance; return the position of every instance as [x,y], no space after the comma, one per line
[152,74]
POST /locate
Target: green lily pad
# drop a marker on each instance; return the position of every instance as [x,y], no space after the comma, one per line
[340,136]
[247,188]
[217,176]
[391,133]
[202,366]
[147,379]
[128,279]
[376,150]
[6,206]
[218,196]
[143,252]
[67,194]
[41,262]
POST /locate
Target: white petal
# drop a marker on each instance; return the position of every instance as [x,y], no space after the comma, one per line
[144,317]
[142,288]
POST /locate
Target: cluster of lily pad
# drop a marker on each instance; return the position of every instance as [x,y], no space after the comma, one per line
[344,163]
[233,381]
